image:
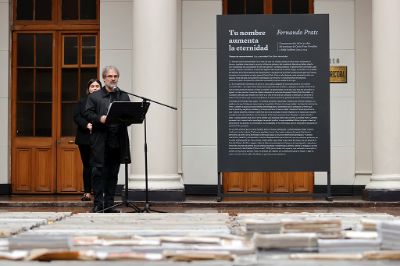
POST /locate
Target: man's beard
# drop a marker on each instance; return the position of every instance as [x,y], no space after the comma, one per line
[112,85]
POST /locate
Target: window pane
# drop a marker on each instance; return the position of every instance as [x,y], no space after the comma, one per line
[44,45]
[43,120]
[24,119]
[24,9]
[70,50]
[68,127]
[43,85]
[88,9]
[69,85]
[25,85]
[43,10]
[300,6]
[236,7]
[69,9]
[88,50]
[254,7]
[25,50]
[280,7]
[86,75]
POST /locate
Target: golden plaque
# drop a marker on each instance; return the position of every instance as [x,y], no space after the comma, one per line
[338,74]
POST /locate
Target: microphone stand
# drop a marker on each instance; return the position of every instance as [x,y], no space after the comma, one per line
[146,207]
[146,99]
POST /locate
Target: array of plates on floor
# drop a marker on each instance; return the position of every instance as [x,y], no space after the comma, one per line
[202,236]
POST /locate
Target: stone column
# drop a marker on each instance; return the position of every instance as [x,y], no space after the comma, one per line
[385,180]
[155,47]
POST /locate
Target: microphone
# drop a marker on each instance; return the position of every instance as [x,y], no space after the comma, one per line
[116,89]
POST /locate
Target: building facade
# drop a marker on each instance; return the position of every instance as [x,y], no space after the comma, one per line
[166,51]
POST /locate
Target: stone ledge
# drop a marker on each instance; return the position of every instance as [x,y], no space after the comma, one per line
[177,195]
[381,195]
[214,204]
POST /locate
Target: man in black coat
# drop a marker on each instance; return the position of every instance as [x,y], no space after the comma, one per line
[109,142]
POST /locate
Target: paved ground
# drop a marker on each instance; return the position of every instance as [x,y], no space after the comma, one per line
[203,263]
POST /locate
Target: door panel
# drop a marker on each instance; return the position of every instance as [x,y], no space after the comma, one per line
[70,167]
[236,182]
[280,182]
[256,182]
[33,163]
[44,169]
[303,182]
[22,181]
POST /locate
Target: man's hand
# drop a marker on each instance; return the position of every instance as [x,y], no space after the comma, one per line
[103,119]
[90,127]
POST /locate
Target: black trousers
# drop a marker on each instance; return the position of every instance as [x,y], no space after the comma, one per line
[87,175]
[105,179]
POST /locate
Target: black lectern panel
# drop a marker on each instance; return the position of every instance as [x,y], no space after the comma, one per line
[127,112]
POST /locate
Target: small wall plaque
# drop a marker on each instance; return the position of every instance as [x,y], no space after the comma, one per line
[338,74]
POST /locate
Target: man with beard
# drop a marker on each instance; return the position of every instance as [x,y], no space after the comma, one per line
[109,142]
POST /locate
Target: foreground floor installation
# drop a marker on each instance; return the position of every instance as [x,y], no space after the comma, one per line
[200,238]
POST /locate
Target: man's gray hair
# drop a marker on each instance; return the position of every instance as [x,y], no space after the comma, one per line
[108,68]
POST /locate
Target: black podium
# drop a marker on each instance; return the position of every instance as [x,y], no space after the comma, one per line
[126,113]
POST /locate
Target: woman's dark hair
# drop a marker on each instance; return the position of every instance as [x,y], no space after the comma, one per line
[90,83]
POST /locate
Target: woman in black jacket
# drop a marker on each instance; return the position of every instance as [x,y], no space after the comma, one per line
[82,139]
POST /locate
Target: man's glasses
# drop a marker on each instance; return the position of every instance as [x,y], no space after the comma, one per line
[112,76]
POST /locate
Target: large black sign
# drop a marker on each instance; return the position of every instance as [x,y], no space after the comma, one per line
[273,93]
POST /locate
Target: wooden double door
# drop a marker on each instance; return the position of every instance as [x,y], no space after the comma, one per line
[248,183]
[50,70]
